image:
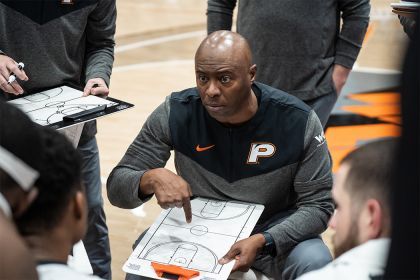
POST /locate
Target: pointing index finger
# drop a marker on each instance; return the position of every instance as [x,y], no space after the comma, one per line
[187,209]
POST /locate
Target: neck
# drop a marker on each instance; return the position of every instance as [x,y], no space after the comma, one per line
[250,107]
[50,246]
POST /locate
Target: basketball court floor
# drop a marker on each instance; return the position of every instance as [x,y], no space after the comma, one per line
[156,42]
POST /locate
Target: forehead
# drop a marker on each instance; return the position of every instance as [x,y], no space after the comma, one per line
[215,59]
[340,181]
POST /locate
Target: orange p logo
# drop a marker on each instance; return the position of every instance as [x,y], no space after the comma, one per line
[260,150]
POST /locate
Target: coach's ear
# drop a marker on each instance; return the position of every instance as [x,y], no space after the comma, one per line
[252,72]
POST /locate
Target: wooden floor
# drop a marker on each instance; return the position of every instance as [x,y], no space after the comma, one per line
[156,42]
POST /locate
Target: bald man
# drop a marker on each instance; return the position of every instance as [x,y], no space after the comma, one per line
[237,139]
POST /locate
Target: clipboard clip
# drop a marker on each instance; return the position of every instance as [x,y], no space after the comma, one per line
[77,116]
[182,273]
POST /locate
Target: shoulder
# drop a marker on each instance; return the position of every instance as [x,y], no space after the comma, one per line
[185,96]
[284,109]
[184,104]
[325,273]
[281,98]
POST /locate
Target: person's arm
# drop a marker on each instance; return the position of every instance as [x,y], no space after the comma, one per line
[149,150]
[141,173]
[355,15]
[219,15]
[100,44]
[409,25]
[312,184]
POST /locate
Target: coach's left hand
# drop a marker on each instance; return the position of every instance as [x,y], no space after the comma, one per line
[244,252]
[100,89]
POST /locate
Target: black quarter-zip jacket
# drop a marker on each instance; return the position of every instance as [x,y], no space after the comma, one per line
[279,158]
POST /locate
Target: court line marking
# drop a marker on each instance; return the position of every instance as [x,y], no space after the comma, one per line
[376,14]
[146,65]
[160,40]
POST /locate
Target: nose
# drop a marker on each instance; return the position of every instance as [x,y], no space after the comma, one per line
[332,222]
[213,89]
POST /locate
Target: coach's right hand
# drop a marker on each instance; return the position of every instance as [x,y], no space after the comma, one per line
[170,189]
[8,66]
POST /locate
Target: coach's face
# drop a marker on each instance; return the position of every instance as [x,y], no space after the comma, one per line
[345,220]
[224,78]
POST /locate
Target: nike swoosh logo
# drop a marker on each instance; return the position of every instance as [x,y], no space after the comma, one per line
[202,149]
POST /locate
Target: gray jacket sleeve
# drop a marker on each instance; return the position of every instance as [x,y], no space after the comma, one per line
[150,149]
[100,43]
[219,15]
[312,184]
[355,15]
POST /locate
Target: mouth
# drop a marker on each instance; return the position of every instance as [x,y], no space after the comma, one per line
[214,107]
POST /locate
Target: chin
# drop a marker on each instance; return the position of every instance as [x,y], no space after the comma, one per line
[346,245]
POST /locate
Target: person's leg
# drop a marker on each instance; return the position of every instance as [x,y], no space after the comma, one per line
[308,255]
[323,106]
[96,240]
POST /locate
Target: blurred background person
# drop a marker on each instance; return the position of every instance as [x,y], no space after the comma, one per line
[19,165]
[57,219]
[298,45]
[362,220]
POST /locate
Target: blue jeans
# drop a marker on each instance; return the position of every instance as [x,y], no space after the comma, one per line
[96,240]
[308,255]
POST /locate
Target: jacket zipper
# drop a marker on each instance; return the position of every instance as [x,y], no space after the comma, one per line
[230,132]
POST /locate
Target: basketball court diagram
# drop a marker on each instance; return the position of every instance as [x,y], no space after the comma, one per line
[49,107]
[215,227]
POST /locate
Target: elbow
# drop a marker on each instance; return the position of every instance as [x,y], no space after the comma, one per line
[113,191]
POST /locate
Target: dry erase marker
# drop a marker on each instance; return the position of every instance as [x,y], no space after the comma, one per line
[12,77]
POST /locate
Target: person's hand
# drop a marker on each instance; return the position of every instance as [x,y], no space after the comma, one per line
[244,252]
[170,190]
[8,66]
[339,77]
[409,25]
[96,86]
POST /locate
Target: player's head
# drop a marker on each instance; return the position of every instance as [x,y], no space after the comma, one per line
[224,75]
[21,153]
[61,200]
[361,192]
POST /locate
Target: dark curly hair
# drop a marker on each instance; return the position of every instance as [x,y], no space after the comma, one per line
[60,178]
[21,137]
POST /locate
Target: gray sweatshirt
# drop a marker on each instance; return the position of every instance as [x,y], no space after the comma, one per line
[296,176]
[60,44]
[296,42]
